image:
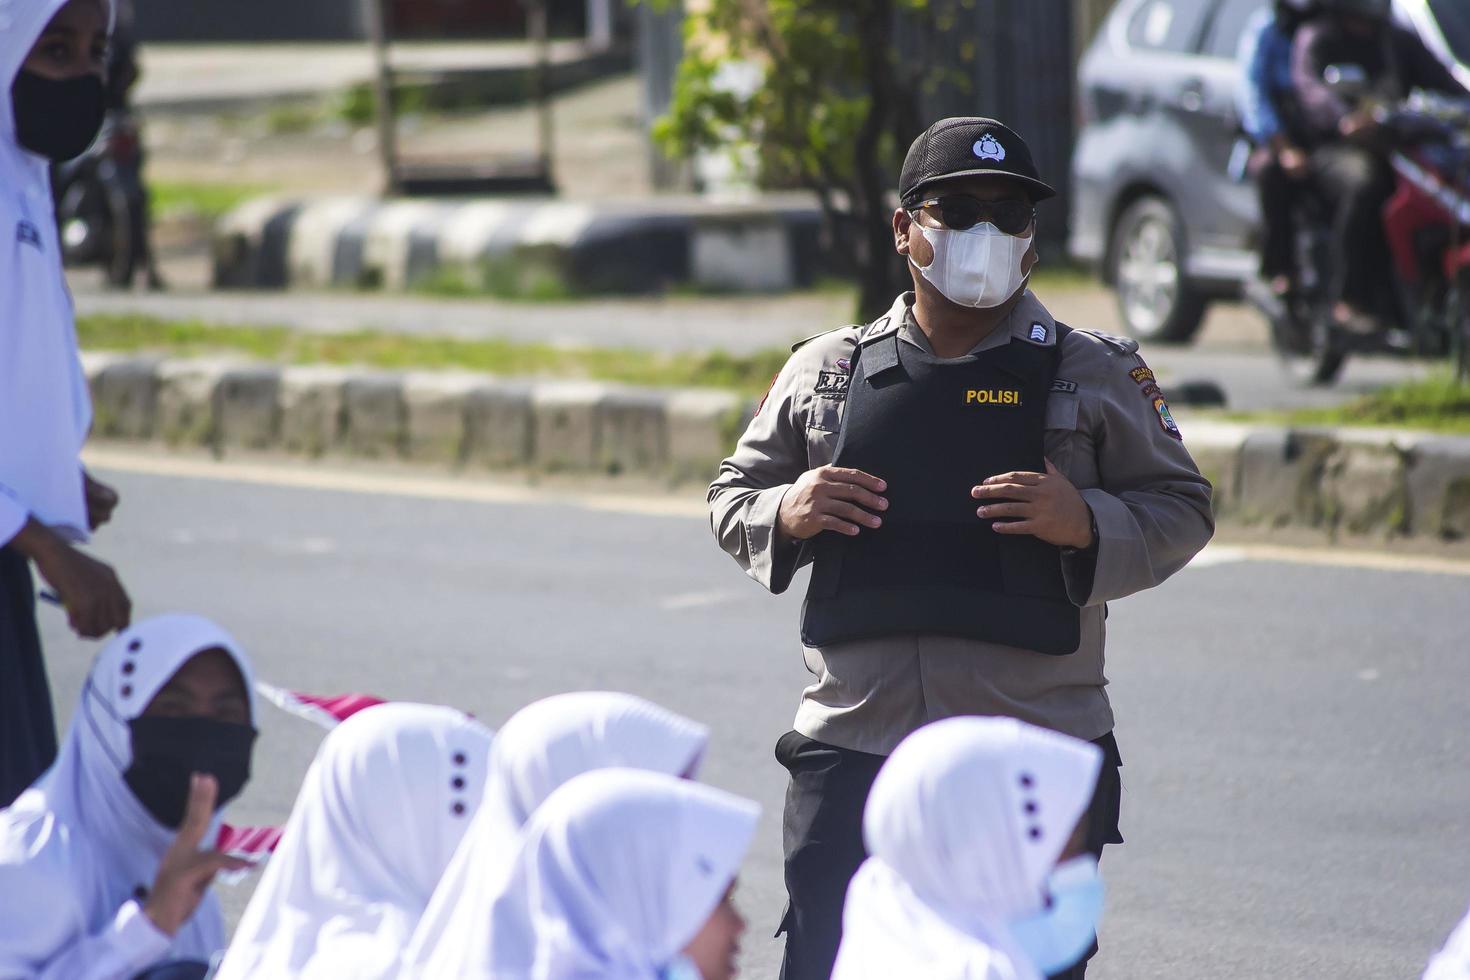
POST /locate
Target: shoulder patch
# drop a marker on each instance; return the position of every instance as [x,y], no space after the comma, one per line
[1166,421]
[1064,387]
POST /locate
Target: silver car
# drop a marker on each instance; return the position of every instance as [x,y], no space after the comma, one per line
[1159,205]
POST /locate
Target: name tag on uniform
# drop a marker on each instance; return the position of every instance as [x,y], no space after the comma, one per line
[832,383]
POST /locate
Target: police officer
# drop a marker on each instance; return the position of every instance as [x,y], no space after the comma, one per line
[971,482]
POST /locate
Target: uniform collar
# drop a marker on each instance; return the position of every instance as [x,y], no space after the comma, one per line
[1022,323]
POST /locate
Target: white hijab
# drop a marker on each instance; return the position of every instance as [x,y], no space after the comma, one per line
[541,747]
[964,823]
[378,818]
[77,844]
[617,872]
[45,409]
[1452,962]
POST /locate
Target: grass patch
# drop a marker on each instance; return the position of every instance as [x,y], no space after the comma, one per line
[1054,276]
[208,201]
[192,338]
[1437,404]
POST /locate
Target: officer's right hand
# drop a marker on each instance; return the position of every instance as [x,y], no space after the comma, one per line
[831,498]
[186,872]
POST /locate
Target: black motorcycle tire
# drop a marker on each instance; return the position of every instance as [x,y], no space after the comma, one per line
[1319,361]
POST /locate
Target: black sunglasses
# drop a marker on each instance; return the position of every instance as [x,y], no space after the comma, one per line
[961,212]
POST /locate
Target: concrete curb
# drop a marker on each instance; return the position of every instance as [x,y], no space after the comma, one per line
[1399,484]
[527,248]
[452,419]
[1392,483]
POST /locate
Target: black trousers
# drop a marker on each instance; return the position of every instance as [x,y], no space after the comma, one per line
[823,838]
[1276,192]
[1358,183]
[27,726]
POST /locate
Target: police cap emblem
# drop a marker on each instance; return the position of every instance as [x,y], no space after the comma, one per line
[989,148]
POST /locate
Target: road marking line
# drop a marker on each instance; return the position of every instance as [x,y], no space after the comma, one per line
[318,477]
[697,600]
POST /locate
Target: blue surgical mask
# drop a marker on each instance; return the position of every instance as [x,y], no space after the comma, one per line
[681,968]
[1061,934]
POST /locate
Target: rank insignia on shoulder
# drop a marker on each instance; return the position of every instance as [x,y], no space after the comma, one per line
[1166,420]
[1039,333]
[1064,387]
[832,382]
[877,331]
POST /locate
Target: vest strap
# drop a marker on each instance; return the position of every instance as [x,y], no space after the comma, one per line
[880,355]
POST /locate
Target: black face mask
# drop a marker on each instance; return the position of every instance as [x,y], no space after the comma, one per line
[57,118]
[166,751]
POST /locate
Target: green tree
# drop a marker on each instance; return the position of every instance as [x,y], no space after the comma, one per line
[838,104]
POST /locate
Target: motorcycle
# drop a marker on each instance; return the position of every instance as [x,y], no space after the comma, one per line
[102,203]
[1427,226]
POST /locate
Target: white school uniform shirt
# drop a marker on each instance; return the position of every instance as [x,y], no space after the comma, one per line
[379,815]
[45,409]
[1453,962]
[77,848]
[964,823]
[541,747]
[616,874]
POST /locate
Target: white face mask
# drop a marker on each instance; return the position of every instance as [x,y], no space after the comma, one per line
[979,267]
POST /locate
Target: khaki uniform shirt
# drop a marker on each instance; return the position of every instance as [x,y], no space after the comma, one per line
[1111,435]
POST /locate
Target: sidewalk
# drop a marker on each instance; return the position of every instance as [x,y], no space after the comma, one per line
[538,248]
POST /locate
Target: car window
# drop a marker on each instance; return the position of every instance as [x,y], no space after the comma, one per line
[1167,25]
[1229,23]
[1454,23]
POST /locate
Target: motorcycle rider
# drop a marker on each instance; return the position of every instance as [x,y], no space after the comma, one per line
[1267,105]
[1348,144]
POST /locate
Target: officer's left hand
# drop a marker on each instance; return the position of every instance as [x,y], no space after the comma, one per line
[1045,505]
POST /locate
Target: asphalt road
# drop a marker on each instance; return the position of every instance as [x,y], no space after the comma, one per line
[1297,797]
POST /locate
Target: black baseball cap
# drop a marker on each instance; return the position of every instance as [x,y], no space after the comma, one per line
[968,146]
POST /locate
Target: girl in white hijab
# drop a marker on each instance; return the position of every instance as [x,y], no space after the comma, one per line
[382,809]
[101,872]
[965,826]
[541,747]
[52,57]
[622,875]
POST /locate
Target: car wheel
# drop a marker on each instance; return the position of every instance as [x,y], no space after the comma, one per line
[1156,302]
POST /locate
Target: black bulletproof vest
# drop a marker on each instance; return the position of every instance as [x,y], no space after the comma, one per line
[932,429]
